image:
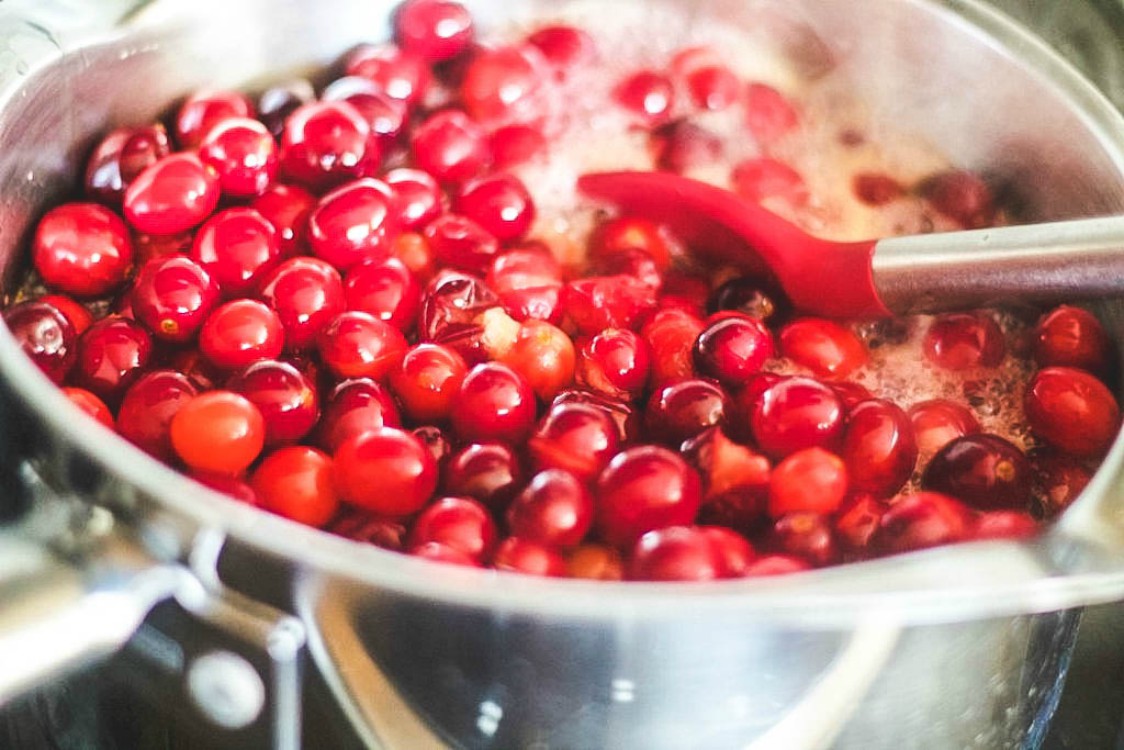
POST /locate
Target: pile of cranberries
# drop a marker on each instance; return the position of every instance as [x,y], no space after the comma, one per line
[334,307]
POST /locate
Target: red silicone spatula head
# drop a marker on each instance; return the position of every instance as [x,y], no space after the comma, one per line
[819,276]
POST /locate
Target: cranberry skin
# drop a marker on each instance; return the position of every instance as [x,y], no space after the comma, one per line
[826,348]
[671,335]
[599,302]
[961,196]
[450,147]
[326,143]
[526,267]
[297,482]
[776,565]
[427,381]
[878,447]
[713,88]
[278,102]
[244,155]
[643,489]
[82,249]
[506,85]
[810,480]
[939,421]
[204,110]
[578,438]
[385,289]
[459,523]
[419,197]
[286,207]
[75,312]
[627,235]
[797,413]
[595,562]
[1071,337]
[488,472]
[769,115]
[500,204]
[90,404]
[495,404]
[400,74]
[388,533]
[460,242]
[922,520]
[385,116]
[623,414]
[985,471]
[808,536]
[173,296]
[733,348]
[172,195]
[563,47]
[240,332]
[119,158]
[45,335]
[517,555]
[286,399]
[112,353]
[876,189]
[356,345]
[1004,524]
[856,523]
[512,145]
[354,407]
[674,553]
[451,304]
[1072,411]
[1058,480]
[353,223]
[385,471]
[764,179]
[433,29]
[616,363]
[306,293]
[646,94]
[554,509]
[236,247]
[961,341]
[147,408]
[735,479]
[682,410]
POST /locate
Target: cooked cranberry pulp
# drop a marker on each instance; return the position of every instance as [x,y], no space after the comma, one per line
[382,309]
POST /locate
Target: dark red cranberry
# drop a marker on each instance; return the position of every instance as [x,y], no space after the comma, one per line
[286,399]
[203,110]
[937,422]
[499,203]
[599,302]
[419,197]
[876,188]
[385,116]
[450,146]
[517,555]
[878,447]
[172,195]
[112,353]
[82,249]
[544,355]
[1071,337]
[385,471]
[961,341]
[1072,411]
[354,407]
[353,223]
[306,293]
[147,409]
[459,242]
[459,523]
[578,438]
[671,335]
[922,520]
[808,536]
[961,196]
[120,157]
[236,247]
[713,87]
[512,145]
[357,345]
[434,29]
[173,296]
[232,487]
[769,114]
[674,553]
[681,146]
[554,509]
[762,179]
[286,207]
[505,85]
[733,348]
[615,363]
[243,153]
[856,522]
[809,480]
[240,332]
[643,489]
[45,335]
[495,403]
[278,102]
[646,94]
[400,74]
[564,47]
[796,413]
[327,143]
[682,410]
[1057,481]
[825,347]
[1004,524]
[488,472]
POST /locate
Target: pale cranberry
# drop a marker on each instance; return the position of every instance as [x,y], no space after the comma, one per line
[544,355]
[236,247]
[357,345]
[495,403]
[961,341]
[615,362]
[240,332]
[809,536]
[402,75]
[505,85]
[147,408]
[1071,337]
[671,335]
[354,407]
[1072,411]
[682,410]
[461,243]
[797,413]
[961,196]
[460,523]
[296,482]
[204,110]
[733,348]
[769,114]
[499,203]
[674,553]
[286,207]
[922,520]
[576,437]
[428,381]
[120,157]
[306,293]
[172,195]
[90,404]
[825,347]
[327,143]
[554,509]
[385,471]
[450,146]
[595,562]
[776,565]
[643,489]
[937,422]
[173,296]
[112,353]
[876,188]
[419,197]
[878,447]
[45,335]
[599,302]
[648,95]
[761,179]
[809,480]
[517,555]
[434,29]
[286,399]
[82,249]
[244,155]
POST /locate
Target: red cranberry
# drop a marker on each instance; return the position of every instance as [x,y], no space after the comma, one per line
[1058,480]
[616,363]
[555,509]
[984,471]
[286,207]
[595,562]
[1004,524]
[544,355]
[675,553]
[354,222]
[75,313]
[236,247]
[172,195]
[564,47]
[713,88]
[112,353]
[578,438]
[460,523]
[626,235]
[203,110]
[286,399]
[529,267]
[243,153]
[808,536]
[82,249]
[922,520]
[120,157]
[939,421]
[326,143]
[428,381]
[775,565]
[461,243]
[240,332]
[682,410]
[809,480]
[796,413]
[357,345]
[681,146]
[385,471]
[599,302]
[385,289]
[278,102]
[647,94]
[878,447]
[488,472]
[173,296]
[450,146]
[760,179]
[517,555]
[961,341]
[735,553]
[622,413]
[354,407]
[733,348]
[512,145]
[876,188]
[643,489]
[826,348]
[296,482]
[505,85]
[306,293]
[385,116]
[769,114]
[499,203]
[1072,411]
[45,335]
[961,196]
[402,75]
[90,404]
[419,197]
[495,403]
[147,408]
[671,335]
[1071,337]
[442,553]
[857,521]
[434,29]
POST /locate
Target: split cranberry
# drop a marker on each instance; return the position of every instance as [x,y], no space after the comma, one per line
[435,441]
[459,242]
[761,179]
[450,146]
[297,482]
[286,399]
[733,348]
[427,381]
[327,143]
[544,355]
[419,197]
[236,247]
[385,471]
[90,404]
[354,407]
[810,480]
[531,558]
[599,302]
[735,479]
[682,410]
[564,47]
[172,195]
[219,432]
[495,403]
[643,489]
[385,116]
[402,75]
[671,335]
[826,348]
[244,155]
[82,249]
[204,110]
[355,345]
[937,422]
[506,85]
[1071,337]
[286,207]
[459,523]
[119,158]
[1072,411]
[962,341]
[922,520]
[499,203]
[451,304]
[769,114]
[173,296]
[278,102]
[45,335]
[578,438]
[306,293]
[488,472]
[985,471]
[797,413]
[554,509]
[595,562]
[879,447]
[808,536]
[112,353]
[615,363]
[648,95]
[675,553]
[962,196]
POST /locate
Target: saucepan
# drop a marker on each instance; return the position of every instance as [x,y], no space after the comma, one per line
[947,648]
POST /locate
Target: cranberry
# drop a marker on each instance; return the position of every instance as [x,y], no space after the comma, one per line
[459,523]
[385,289]
[775,565]
[760,179]
[769,115]
[326,143]
[595,562]
[388,533]
[451,304]
[643,489]
[564,47]
[825,347]
[962,341]
[172,195]
[922,520]
[808,536]
[544,355]
[878,447]
[499,203]
[428,381]
[434,29]
[627,235]
[82,249]
[796,413]
[648,95]
[244,154]
[353,223]
[599,302]
[576,437]
[306,293]
[856,522]
[419,197]
[809,480]
[735,553]
[354,407]
[435,441]
[1004,524]
[278,102]
[524,556]
[354,345]
[232,487]
[286,207]
[528,267]
[512,145]
[450,146]
[505,85]
[412,249]
[112,353]
[616,363]
[682,410]
[297,482]
[675,553]
[555,509]
[385,116]
[939,421]
[985,471]
[45,335]
[671,335]
[173,296]
[402,75]
[240,332]
[1071,337]
[461,243]
[385,471]
[876,188]
[120,157]
[90,404]
[75,312]
[495,403]
[961,196]
[735,479]
[236,247]
[286,399]
[713,87]
[204,110]
[488,472]
[1057,479]
[1072,411]
[733,348]
[622,413]
[442,553]
[218,431]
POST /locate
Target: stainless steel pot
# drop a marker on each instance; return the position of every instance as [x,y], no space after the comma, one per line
[943,649]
